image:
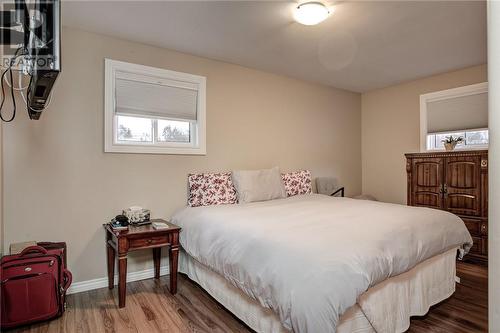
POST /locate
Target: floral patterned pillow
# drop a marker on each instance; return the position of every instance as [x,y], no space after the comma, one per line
[297,182]
[206,189]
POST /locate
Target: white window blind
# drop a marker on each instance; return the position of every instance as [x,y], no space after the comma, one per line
[145,96]
[458,113]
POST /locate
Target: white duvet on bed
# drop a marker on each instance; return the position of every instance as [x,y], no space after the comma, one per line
[309,257]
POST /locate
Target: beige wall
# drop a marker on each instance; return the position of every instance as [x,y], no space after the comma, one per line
[60,185]
[391,128]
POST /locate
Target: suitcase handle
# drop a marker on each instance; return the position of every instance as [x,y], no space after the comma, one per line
[33,249]
[68,278]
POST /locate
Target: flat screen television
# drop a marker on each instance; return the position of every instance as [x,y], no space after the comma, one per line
[43,48]
[38,23]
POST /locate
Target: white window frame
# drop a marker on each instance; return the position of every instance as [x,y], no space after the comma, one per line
[474,89]
[197,129]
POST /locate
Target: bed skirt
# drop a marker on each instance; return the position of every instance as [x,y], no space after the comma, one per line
[384,308]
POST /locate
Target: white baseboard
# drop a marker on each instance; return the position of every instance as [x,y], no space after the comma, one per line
[82,286]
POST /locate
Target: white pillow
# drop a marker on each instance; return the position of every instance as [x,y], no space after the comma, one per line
[258,185]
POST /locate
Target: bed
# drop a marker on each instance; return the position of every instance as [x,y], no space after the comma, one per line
[313,263]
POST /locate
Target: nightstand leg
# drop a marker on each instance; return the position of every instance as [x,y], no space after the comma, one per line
[111,266]
[173,258]
[122,277]
[157,260]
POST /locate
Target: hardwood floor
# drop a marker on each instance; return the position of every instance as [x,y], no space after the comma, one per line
[151,308]
[466,311]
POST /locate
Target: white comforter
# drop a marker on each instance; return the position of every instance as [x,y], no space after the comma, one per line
[309,257]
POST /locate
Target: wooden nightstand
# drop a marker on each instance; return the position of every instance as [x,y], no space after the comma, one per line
[138,238]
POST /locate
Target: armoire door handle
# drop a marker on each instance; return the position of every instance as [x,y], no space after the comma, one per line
[443,190]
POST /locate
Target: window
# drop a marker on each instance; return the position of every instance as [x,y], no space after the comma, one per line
[473,139]
[152,110]
[457,112]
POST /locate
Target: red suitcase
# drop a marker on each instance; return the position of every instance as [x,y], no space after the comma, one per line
[33,285]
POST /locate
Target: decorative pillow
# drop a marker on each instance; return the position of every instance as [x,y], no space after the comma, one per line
[258,185]
[206,189]
[298,182]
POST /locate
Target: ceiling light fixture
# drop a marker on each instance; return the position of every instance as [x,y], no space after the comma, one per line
[311,13]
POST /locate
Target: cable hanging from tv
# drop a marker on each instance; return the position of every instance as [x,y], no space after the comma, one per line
[32,34]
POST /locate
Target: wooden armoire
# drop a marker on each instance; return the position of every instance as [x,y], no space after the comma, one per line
[457,182]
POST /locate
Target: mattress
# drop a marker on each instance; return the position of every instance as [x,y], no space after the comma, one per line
[391,303]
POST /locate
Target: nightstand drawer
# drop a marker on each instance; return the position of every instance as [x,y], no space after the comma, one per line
[149,241]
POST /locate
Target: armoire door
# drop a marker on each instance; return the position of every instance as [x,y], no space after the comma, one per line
[427,182]
[463,185]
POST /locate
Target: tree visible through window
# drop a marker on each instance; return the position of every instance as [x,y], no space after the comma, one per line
[124,133]
[134,129]
[173,131]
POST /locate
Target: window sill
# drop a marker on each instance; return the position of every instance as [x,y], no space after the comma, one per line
[137,149]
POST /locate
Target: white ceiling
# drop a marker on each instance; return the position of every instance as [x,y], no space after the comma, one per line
[362,46]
